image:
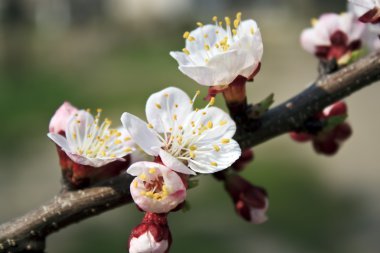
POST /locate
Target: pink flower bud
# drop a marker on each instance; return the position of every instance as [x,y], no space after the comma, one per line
[151,236]
[59,120]
[300,137]
[336,109]
[250,201]
[156,188]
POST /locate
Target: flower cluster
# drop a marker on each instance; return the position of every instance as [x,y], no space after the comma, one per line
[327,139]
[333,36]
[183,139]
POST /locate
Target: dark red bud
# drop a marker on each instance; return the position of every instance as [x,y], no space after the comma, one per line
[300,137]
[343,131]
[327,147]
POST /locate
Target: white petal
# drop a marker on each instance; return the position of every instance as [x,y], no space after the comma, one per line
[174,164]
[76,128]
[181,58]
[166,108]
[59,140]
[139,167]
[141,134]
[199,34]
[204,162]
[201,74]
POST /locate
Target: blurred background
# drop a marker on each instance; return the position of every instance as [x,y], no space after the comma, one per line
[113,54]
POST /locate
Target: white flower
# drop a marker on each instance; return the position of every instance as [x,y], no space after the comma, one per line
[216,56]
[368,11]
[156,188]
[146,243]
[183,137]
[88,142]
[59,120]
[333,35]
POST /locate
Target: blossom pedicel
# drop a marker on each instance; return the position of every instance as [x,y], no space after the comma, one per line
[368,11]
[185,140]
[216,56]
[333,36]
[88,150]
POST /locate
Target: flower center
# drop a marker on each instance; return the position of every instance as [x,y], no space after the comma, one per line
[154,185]
[97,140]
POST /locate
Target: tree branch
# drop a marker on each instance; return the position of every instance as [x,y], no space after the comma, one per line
[28,232]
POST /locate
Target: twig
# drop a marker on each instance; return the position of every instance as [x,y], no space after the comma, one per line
[28,233]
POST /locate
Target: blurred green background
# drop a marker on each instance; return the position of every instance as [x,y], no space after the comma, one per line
[114,54]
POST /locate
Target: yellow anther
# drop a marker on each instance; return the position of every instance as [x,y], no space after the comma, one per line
[217,31]
[180,128]
[186,35]
[103,153]
[150,125]
[186,51]
[127,138]
[78,121]
[238,15]
[314,21]
[225,141]
[192,155]
[149,194]
[89,152]
[199,24]
[165,189]
[152,170]
[118,134]
[222,122]
[191,38]
[214,164]
[175,117]
[88,110]
[236,23]
[220,23]
[210,124]
[176,105]
[204,113]
[127,150]
[143,193]
[216,148]
[170,129]
[135,184]
[158,106]
[212,101]
[166,95]
[74,136]
[117,142]
[113,156]
[207,47]
[193,147]
[197,92]
[252,30]
[215,18]
[234,32]
[142,177]
[205,36]
[99,110]
[228,21]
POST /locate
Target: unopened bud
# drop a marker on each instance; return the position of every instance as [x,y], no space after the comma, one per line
[151,236]
[251,202]
[59,120]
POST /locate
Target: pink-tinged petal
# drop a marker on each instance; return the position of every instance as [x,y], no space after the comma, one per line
[156,188]
[59,120]
[141,134]
[167,107]
[309,40]
[174,164]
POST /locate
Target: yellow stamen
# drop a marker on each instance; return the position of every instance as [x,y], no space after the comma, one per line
[117,142]
[191,38]
[127,138]
[228,21]
[199,24]
[215,18]
[186,51]
[152,170]
[192,155]
[225,141]
[214,164]
[193,147]
[143,177]
[150,125]
[186,35]
[222,122]
[158,106]
[216,148]
[127,150]
[210,124]
[314,21]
